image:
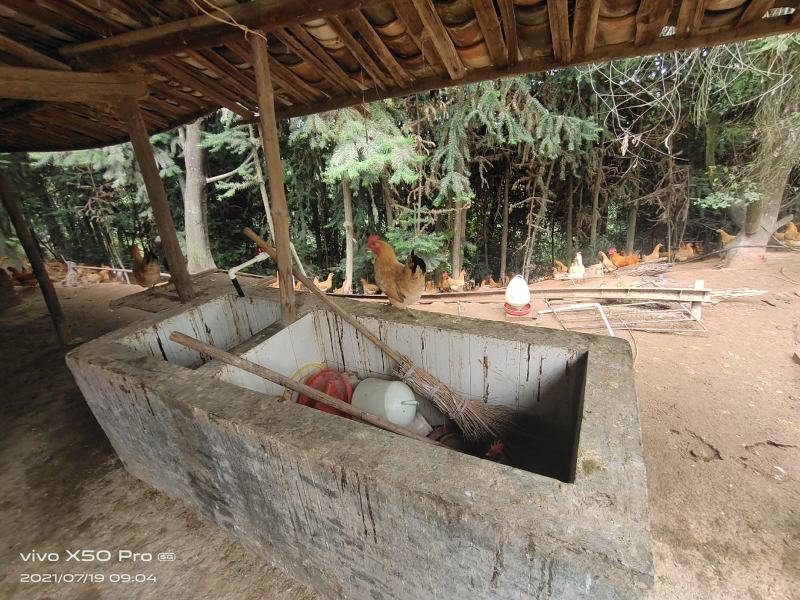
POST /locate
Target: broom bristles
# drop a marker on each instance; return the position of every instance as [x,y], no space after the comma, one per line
[476,420]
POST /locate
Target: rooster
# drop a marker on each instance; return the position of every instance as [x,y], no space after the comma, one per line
[403,283]
[497,453]
[146,270]
[576,269]
[369,288]
[621,260]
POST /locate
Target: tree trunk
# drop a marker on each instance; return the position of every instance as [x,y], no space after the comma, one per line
[504,234]
[570,209]
[386,192]
[195,201]
[347,197]
[633,212]
[595,201]
[262,186]
[458,238]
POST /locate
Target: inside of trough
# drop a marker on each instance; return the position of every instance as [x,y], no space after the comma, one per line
[544,384]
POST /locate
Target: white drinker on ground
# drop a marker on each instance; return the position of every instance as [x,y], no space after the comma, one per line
[392,400]
[517,292]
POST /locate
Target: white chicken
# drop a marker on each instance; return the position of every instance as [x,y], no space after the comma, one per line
[576,269]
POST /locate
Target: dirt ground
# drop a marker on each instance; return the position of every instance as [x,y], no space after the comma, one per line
[719,415]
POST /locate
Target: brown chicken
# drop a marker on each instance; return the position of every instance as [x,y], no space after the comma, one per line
[403,283]
[444,284]
[654,255]
[685,251]
[559,267]
[457,285]
[495,284]
[620,260]
[369,288]
[430,287]
[324,286]
[146,270]
[23,278]
[725,237]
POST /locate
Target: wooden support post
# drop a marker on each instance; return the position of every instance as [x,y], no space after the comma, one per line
[132,115]
[35,257]
[696,308]
[272,156]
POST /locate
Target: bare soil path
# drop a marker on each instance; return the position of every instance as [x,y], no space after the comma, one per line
[720,419]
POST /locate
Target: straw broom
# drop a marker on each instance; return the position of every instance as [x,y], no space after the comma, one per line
[476,420]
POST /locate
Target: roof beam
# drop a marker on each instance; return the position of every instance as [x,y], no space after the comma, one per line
[509,19]
[22,83]
[492,33]
[357,50]
[558,13]
[436,32]
[408,15]
[650,20]
[689,17]
[338,82]
[29,56]
[204,30]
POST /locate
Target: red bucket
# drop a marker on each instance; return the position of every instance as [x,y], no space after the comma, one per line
[334,384]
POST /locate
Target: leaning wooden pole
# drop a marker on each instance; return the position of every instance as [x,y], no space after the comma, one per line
[143,150]
[35,257]
[272,155]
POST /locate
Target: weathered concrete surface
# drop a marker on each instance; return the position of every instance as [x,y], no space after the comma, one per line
[361,513]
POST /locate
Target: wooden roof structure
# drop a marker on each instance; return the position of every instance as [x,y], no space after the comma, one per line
[62,62]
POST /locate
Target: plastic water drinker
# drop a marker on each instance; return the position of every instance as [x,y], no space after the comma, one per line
[392,400]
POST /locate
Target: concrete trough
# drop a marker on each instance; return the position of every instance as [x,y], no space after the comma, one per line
[357,512]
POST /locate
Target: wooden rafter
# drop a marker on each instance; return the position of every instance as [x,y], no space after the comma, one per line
[436,32]
[201,31]
[509,20]
[23,83]
[361,55]
[374,41]
[689,17]
[311,43]
[408,15]
[795,18]
[651,18]
[756,10]
[210,89]
[584,27]
[339,83]
[558,14]
[214,63]
[492,32]
[29,56]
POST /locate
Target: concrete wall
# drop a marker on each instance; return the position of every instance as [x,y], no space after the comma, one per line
[361,513]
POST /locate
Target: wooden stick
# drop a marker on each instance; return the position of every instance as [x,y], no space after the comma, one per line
[296,386]
[34,256]
[272,156]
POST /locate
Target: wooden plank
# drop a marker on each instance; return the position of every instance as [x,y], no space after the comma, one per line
[311,43]
[29,56]
[795,18]
[492,33]
[298,95]
[272,155]
[650,20]
[204,30]
[436,32]
[362,56]
[140,140]
[409,16]
[756,10]
[210,89]
[584,27]
[374,41]
[35,258]
[510,30]
[230,74]
[558,13]
[24,83]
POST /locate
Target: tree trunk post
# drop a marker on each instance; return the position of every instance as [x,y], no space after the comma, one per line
[504,232]
[146,159]
[595,202]
[386,192]
[633,212]
[570,210]
[195,201]
[272,156]
[347,199]
[35,257]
